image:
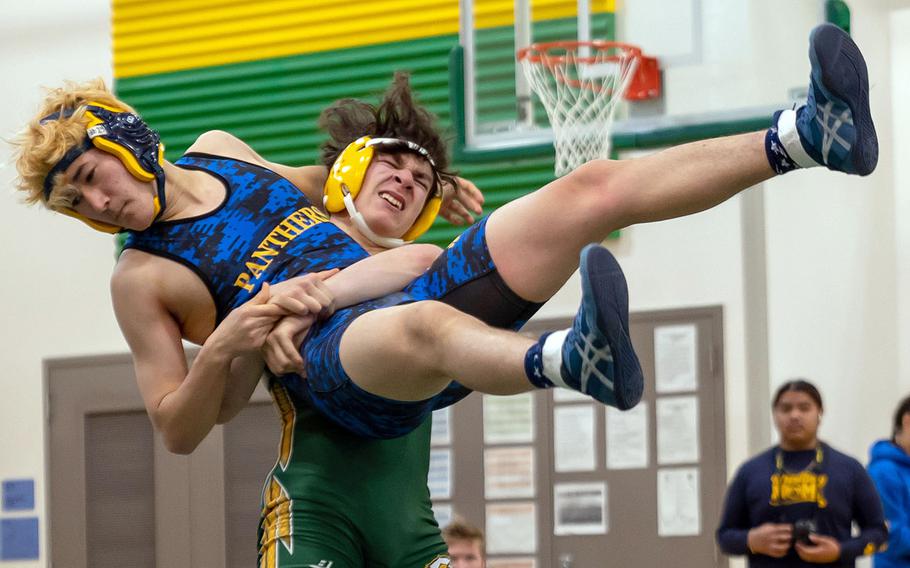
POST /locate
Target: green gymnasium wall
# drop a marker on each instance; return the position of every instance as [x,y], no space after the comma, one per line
[272,103]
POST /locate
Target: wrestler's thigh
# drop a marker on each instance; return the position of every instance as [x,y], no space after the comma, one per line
[535,240]
[392,352]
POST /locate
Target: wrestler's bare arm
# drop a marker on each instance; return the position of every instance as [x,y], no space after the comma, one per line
[372,277]
[183,403]
[382,273]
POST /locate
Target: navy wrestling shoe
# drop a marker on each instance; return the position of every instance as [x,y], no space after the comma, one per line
[597,356]
[835,126]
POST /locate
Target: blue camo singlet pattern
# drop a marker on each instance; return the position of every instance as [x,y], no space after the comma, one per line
[329,389]
[265,230]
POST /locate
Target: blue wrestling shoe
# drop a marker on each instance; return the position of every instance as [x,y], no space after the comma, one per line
[835,126]
[597,355]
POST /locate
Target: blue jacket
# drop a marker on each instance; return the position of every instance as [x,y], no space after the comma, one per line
[889,467]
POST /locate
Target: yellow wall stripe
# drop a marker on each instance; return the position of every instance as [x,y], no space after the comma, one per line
[172,35]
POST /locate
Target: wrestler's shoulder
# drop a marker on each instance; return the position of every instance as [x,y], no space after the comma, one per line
[141,280]
[221,143]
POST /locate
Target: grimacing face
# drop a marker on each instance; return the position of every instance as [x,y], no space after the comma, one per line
[107,192]
[797,417]
[394,191]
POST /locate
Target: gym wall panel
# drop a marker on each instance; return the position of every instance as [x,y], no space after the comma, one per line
[148,39]
[265,70]
[170,35]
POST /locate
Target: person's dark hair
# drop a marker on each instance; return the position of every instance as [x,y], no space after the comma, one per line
[902,409]
[799,385]
[459,529]
[397,116]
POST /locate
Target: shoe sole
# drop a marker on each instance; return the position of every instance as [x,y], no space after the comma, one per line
[603,282]
[844,76]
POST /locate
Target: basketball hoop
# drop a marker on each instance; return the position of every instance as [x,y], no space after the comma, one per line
[579,84]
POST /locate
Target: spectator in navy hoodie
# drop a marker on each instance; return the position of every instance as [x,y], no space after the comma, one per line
[889,466]
[793,504]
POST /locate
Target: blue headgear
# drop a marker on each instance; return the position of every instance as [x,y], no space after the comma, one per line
[126,136]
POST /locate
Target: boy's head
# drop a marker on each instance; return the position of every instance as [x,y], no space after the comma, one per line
[396,134]
[76,119]
[466,544]
[797,409]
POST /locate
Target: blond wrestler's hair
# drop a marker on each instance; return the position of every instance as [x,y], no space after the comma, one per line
[38,147]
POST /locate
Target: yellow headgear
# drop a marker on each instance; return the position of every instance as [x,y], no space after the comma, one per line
[122,134]
[346,178]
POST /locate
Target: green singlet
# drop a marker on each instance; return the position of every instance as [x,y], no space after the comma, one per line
[335,500]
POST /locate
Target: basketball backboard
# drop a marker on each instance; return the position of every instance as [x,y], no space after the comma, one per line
[722,61]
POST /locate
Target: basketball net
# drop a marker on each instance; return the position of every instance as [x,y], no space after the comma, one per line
[580,84]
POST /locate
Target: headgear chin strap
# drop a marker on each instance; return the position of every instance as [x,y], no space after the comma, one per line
[122,134]
[346,179]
